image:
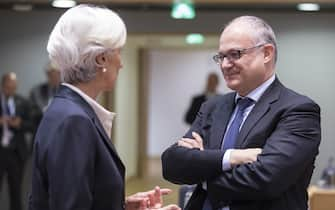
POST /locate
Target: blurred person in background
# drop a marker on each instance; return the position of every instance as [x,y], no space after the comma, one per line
[75,164]
[14,122]
[41,96]
[211,90]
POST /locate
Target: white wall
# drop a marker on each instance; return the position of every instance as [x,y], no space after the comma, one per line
[23,40]
[126,108]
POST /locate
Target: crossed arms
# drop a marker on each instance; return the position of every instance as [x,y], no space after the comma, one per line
[289,142]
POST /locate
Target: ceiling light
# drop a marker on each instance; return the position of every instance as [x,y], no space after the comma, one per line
[183,9]
[21,7]
[308,7]
[195,39]
[64,3]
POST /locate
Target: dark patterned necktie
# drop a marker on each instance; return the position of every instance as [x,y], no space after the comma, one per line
[234,129]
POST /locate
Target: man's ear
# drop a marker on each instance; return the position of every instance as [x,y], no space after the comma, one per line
[269,53]
[100,59]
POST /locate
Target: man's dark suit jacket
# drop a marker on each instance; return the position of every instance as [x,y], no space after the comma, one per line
[284,124]
[18,143]
[75,165]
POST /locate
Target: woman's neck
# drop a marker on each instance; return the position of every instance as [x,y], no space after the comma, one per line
[89,88]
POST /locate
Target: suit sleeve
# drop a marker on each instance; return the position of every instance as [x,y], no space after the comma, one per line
[71,163]
[191,166]
[288,154]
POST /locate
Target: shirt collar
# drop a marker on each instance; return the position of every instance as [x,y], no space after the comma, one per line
[258,92]
[106,117]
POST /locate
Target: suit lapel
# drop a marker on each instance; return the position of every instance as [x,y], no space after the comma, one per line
[66,92]
[221,118]
[107,140]
[260,109]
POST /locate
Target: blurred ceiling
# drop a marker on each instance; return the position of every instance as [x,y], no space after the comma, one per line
[166,4]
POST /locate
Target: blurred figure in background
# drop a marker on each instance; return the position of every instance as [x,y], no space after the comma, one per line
[41,95]
[14,123]
[211,90]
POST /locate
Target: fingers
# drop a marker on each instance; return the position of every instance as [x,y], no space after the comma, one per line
[160,191]
[165,191]
[136,202]
[254,152]
[149,200]
[192,143]
[154,197]
[196,136]
[257,150]
[198,139]
[136,198]
[170,207]
[188,143]
[143,205]
[156,191]
[197,142]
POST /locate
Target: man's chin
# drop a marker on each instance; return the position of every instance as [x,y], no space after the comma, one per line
[233,84]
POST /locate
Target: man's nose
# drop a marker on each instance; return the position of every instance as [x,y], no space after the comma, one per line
[226,63]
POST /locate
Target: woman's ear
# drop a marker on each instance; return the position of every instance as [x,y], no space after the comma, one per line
[100,59]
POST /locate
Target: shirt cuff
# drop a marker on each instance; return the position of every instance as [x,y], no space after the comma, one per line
[226,160]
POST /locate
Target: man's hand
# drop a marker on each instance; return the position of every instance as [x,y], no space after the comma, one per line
[237,156]
[242,156]
[192,143]
[3,120]
[14,122]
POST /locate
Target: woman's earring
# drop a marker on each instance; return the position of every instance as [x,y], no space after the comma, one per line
[104,70]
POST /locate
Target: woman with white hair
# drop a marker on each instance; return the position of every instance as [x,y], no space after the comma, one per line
[75,164]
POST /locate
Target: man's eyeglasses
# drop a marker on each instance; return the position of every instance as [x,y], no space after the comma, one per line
[233,55]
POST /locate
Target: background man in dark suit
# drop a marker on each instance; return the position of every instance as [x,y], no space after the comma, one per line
[14,123]
[254,148]
[211,90]
[41,96]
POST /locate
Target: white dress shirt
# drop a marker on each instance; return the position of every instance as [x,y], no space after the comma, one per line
[7,134]
[106,117]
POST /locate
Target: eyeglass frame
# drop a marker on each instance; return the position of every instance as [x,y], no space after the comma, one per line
[219,57]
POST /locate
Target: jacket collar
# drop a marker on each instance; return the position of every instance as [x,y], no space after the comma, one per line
[262,106]
[66,92]
[220,119]
[222,115]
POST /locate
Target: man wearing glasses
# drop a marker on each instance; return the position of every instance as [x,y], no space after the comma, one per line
[254,148]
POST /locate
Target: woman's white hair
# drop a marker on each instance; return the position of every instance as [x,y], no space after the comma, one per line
[80,35]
